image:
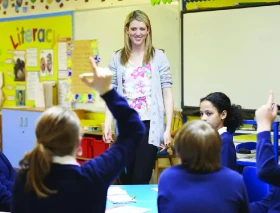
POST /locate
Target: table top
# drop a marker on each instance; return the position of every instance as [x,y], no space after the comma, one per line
[145,196]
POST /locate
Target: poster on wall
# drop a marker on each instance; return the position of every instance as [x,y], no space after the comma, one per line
[19,65]
[46,62]
[24,44]
[20,95]
[32,60]
[79,52]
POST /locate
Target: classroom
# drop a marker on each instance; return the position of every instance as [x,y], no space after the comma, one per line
[205,52]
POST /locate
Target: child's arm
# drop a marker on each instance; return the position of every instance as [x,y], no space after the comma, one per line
[262,205]
[267,168]
[7,183]
[107,166]
[5,198]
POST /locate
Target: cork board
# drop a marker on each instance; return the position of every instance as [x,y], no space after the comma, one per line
[78,53]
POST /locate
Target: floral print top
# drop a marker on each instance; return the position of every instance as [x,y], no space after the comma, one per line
[137,88]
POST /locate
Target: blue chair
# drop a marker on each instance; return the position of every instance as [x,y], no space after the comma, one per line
[256,189]
[246,145]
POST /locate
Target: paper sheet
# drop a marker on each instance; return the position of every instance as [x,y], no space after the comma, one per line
[20,95]
[39,95]
[115,190]
[32,57]
[62,92]
[31,81]
[62,56]
[127,209]
[46,62]
[79,63]
[155,189]
[124,198]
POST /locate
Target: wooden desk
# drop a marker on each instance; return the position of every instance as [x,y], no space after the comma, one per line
[145,196]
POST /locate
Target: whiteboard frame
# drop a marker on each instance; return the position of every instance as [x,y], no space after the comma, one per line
[193,110]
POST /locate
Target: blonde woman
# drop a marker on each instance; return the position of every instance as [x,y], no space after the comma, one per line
[142,75]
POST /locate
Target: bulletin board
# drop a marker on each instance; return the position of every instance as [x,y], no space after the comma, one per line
[29,53]
[78,53]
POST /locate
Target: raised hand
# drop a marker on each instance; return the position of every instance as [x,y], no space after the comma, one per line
[102,77]
[266,114]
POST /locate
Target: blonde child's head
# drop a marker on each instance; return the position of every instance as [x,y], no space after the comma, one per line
[58,133]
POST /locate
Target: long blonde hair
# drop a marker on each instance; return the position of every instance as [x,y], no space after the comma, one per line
[58,134]
[149,49]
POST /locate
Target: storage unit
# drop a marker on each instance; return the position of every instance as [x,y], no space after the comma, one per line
[92,146]
[18,127]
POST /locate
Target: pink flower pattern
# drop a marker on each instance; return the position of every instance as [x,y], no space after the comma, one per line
[139,86]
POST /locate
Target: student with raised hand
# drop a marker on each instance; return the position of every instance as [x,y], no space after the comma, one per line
[51,180]
[141,74]
[217,110]
[268,169]
[7,178]
[200,183]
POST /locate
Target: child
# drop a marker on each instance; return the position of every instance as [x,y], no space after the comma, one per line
[52,181]
[268,170]
[200,184]
[217,110]
[7,178]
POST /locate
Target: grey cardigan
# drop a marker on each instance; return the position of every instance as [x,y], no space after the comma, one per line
[161,78]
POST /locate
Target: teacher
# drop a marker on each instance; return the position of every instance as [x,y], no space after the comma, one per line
[142,75]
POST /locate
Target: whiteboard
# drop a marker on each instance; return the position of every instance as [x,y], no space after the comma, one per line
[107,25]
[235,51]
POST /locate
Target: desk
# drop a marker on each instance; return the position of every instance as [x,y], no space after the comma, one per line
[249,162]
[145,196]
[274,133]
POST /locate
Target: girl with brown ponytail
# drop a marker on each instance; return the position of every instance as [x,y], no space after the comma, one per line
[52,181]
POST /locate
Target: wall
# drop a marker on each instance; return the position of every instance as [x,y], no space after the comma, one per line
[110,36]
[165,36]
[51,6]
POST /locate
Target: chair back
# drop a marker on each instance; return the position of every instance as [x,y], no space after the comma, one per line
[246,145]
[256,189]
[177,120]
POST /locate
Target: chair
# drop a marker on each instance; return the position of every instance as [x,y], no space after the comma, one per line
[177,123]
[256,189]
[246,145]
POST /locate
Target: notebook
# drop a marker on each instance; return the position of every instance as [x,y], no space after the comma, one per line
[114,190]
[121,198]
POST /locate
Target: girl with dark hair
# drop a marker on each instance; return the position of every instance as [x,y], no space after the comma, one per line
[217,110]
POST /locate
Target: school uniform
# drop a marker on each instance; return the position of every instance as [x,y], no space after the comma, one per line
[268,171]
[181,191]
[228,152]
[7,178]
[84,188]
